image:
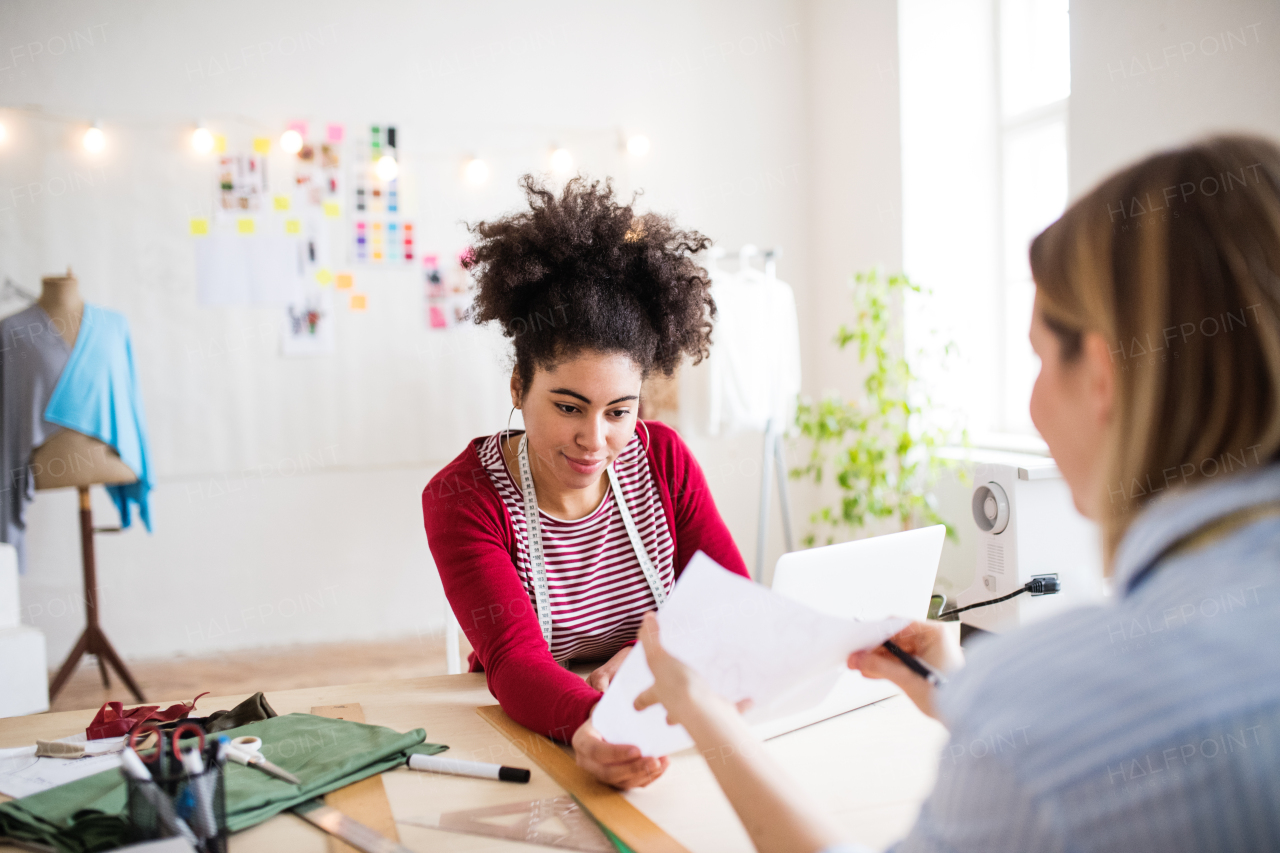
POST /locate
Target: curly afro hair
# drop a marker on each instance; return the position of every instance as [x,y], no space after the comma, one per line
[581,271]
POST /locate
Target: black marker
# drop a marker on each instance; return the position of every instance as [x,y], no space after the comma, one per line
[916,665]
[458,767]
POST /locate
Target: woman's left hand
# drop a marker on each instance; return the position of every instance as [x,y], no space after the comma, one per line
[603,675]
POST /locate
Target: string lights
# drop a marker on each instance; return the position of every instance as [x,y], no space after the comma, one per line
[475,170]
[202,140]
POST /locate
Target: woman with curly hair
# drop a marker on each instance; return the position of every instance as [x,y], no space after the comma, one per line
[553,542]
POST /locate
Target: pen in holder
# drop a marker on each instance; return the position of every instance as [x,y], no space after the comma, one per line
[179,794]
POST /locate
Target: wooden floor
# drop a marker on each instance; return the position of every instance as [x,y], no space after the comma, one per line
[261,669]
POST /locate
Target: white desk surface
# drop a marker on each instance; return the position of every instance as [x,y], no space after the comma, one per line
[870,768]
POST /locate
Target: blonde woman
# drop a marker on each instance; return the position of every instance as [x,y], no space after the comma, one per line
[1151,722]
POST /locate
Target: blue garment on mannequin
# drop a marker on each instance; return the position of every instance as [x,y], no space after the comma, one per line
[97,394]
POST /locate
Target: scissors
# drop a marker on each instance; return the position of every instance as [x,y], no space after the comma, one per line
[158,757]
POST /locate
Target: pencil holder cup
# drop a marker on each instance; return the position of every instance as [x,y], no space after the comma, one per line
[193,806]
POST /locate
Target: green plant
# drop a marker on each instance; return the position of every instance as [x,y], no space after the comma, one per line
[878,449]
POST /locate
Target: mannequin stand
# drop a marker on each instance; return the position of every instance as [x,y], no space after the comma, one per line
[93,641]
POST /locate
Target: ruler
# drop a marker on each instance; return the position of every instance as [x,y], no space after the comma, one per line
[603,802]
[364,801]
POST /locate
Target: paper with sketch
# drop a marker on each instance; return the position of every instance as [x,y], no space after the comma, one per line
[22,774]
[747,642]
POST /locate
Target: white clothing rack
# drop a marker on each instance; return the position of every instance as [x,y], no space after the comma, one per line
[772,460]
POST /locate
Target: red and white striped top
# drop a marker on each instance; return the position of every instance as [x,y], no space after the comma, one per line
[596,588]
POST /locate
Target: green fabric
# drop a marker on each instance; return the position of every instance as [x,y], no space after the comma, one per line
[88,814]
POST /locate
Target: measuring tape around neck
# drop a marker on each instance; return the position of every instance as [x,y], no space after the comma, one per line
[537,558]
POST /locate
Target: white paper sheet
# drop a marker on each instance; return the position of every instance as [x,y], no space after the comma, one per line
[748,643]
[247,269]
[22,774]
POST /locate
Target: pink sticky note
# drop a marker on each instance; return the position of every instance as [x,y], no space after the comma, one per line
[335,132]
[300,126]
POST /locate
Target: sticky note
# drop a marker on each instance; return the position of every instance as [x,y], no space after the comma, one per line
[335,132]
[262,145]
[358,302]
[292,226]
[220,143]
[245,225]
[300,126]
[199,226]
[332,208]
[323,276]
[281,202]
[344,280]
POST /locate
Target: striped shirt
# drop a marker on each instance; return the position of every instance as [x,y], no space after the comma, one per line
[596,589]
[1151,723]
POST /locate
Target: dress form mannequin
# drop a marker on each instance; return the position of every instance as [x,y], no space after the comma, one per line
[70,458]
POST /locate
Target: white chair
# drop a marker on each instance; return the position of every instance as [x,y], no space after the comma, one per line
[24,675]
[452,654]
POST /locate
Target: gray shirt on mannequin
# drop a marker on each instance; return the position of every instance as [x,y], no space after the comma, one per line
[32,357]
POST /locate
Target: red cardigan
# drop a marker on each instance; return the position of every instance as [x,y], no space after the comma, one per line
[474,545]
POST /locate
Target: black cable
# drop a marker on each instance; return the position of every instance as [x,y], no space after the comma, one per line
[1036,586]
[956,610]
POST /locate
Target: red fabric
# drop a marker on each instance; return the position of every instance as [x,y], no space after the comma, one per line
[112,720]
[474,545]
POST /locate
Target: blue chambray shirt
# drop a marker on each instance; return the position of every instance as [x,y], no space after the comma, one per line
[1148,723]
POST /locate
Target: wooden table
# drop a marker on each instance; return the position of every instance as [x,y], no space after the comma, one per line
[869,768]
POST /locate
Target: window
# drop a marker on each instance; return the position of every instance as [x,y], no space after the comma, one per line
[984,86]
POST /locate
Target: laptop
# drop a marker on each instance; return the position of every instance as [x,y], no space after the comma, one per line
[891,575]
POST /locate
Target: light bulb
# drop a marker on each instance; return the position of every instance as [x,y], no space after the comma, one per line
[386,168]
[202,140]
[561,161]
[291,142]
[94,139]
[638,146]
[476,171]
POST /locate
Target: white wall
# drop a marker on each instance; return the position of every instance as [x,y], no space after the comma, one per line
[1146,76]
[752,107]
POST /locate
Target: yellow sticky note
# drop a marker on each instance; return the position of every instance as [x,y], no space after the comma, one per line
[199,226]
[245,225]
[344,280]
[324,276]
[292,226]
[262,145]
[282,202]
[359,302]
[220,143]
[331,208]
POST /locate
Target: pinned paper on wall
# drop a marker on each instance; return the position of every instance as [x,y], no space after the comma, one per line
[281,202]
[380,233]
[332,209]
[262,145]
[334,132]
[246,225]
[199,226]
[359,302]
[309,325]
[219,144]
[242,183]
[231,270]
[293,226]
[344,280]
[448,293]
[324,277]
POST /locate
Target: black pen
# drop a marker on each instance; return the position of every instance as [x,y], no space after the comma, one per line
[916,665]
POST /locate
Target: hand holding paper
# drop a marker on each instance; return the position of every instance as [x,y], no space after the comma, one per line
[747,643]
